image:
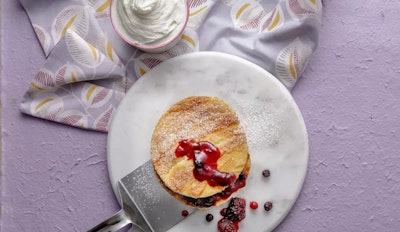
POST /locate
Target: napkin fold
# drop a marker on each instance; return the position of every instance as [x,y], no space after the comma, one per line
[88,68]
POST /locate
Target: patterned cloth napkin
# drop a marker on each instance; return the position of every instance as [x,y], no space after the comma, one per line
[89,68]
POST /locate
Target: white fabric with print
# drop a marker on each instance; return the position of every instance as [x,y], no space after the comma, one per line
[89,68]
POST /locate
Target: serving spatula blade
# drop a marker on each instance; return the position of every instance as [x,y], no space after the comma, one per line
[145,204]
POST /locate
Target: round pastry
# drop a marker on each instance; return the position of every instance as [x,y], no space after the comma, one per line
[199,151]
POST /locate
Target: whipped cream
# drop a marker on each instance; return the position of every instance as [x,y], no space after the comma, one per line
[150,22]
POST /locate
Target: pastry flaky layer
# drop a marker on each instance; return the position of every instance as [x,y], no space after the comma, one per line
[198,118]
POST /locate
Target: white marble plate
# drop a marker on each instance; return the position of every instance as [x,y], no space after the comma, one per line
[275,129]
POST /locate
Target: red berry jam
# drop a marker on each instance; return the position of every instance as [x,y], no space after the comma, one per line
[253,205]
[185,213]
[205,156]
[212,200]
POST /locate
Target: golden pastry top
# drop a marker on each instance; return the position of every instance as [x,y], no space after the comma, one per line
[197,118]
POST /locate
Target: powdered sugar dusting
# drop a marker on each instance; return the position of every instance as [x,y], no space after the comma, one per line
[197,118]
[274,128]
[262,122]
[142,186]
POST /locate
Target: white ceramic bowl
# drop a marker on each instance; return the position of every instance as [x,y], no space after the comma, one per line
[151,48]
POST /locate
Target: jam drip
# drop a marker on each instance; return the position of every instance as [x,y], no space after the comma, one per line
[213,200]
[205,156]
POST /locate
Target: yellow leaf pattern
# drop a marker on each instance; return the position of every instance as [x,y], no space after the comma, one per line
[73,77]
[93,50]
[147,61]
[110,51]
[142,71]
[89,75]
[36,86]
[291,61]
[72,117]
[292,68]
[83,52]
[247,15]
[67,26]
[73,18]
[104,46]
[188,43]
[46,105]
[42,103]
[241,9]
[189,39]
[198,10]
[300,9]
[95,96]
[44,79]
[273,20]
[101,8]
[69,74]
[104,6]
[90,92]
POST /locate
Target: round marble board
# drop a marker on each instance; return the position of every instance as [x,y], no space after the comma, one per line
[275,130]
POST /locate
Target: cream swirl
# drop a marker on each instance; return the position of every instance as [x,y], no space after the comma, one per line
[151,22]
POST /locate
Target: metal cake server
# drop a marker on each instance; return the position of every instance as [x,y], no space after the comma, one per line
[145,204]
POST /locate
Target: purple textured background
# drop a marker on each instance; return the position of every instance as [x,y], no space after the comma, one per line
[54,177]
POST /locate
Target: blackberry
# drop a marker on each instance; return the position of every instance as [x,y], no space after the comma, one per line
[236,209]
[225,225]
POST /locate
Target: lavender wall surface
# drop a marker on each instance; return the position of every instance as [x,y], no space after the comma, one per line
[54,177]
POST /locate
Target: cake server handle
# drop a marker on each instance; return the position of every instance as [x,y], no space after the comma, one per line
[114,223]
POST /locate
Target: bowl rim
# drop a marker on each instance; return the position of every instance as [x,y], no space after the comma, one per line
[143,46]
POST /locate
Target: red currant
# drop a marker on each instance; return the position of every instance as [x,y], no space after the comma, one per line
[253,205]
[185,213]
